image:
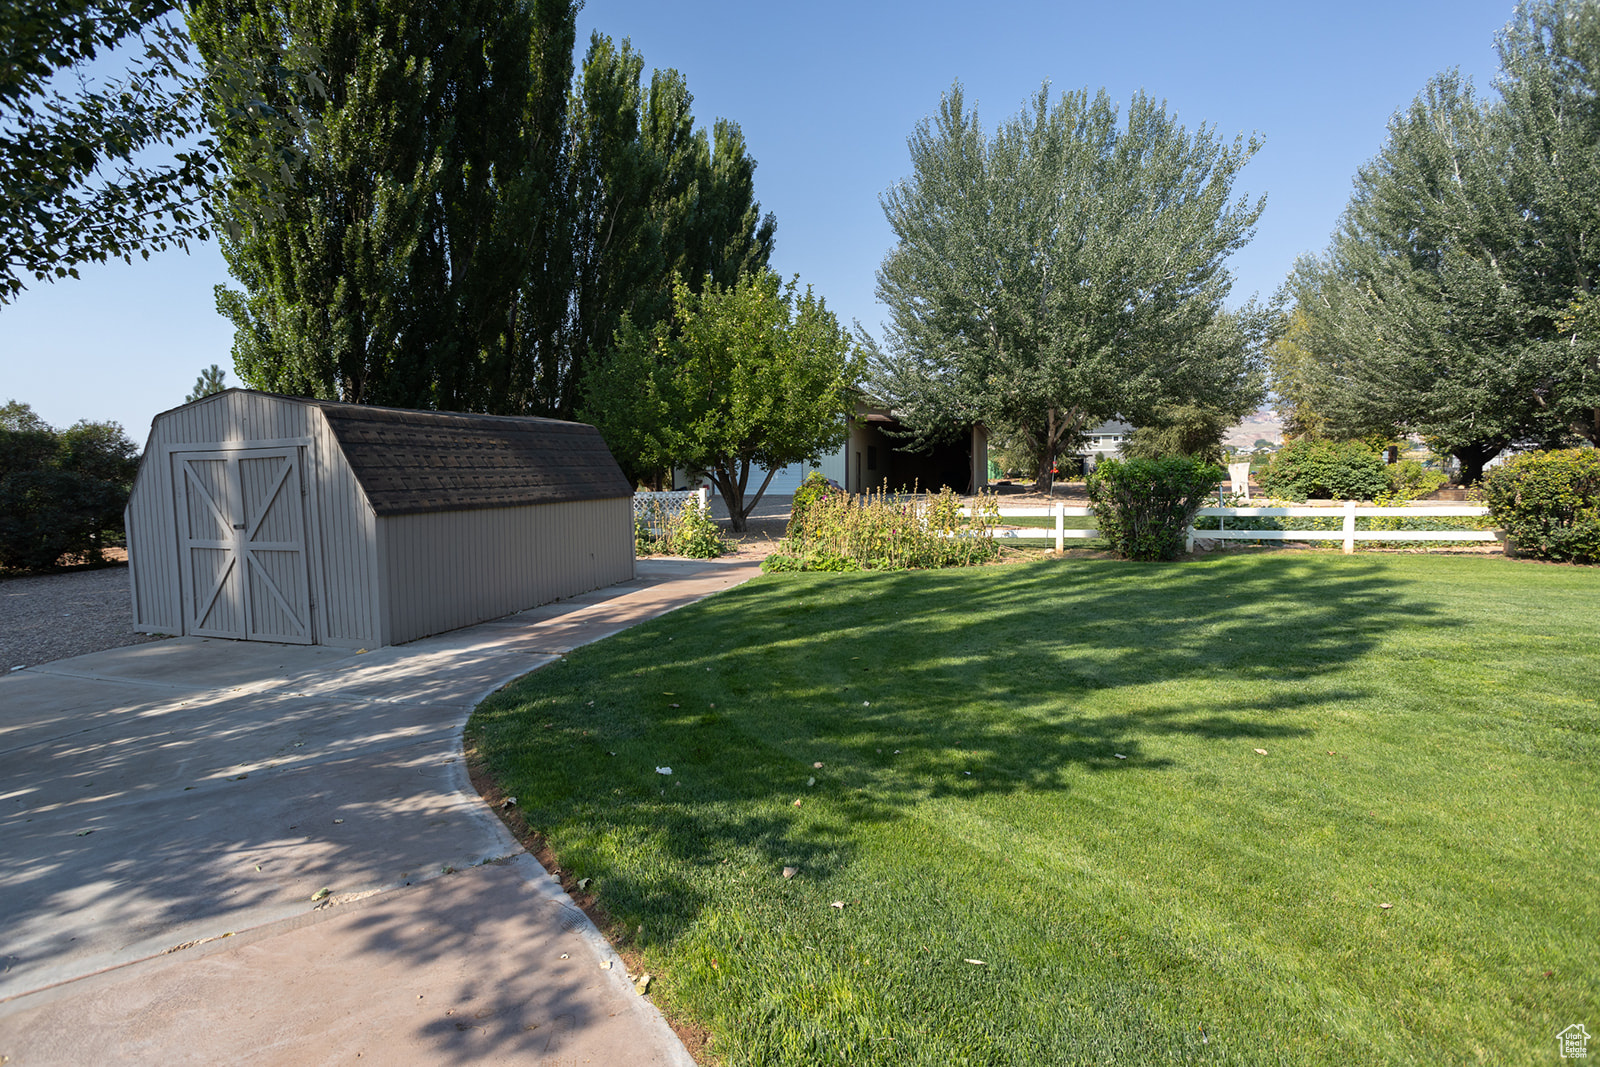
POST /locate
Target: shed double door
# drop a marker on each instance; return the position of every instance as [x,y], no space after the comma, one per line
[241,532]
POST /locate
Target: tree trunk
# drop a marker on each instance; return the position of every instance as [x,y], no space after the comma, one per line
[732,493]
[1472,458]
[1044,482]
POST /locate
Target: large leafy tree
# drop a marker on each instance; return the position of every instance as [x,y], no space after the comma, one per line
[97,166]
[655,200]
[61,491]
[1067,269]
[1550,105]
[1416,305]
[70,189]
[740,381]
[424,207]
[1455,299]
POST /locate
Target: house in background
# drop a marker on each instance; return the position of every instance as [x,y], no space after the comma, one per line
[1103,442]
[875,456]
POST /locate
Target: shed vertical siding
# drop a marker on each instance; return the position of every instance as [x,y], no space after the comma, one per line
[348,607]
[445,570]
[340,527]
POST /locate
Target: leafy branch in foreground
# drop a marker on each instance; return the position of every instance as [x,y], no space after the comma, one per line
[75,183]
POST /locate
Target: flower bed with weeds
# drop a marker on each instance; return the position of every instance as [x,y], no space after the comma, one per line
[685,530]
[830,530]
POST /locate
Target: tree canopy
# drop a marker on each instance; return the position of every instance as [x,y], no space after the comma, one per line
[742,379]
[96,168]
[1066,270]
[70,189]
[412,217]
[466,223]
[1454,301]
[61,491]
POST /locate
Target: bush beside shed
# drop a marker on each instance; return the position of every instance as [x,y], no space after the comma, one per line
[274,518]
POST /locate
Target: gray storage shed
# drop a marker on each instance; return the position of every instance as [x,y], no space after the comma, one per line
[276,518]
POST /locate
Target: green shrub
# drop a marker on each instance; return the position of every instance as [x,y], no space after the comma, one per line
[812,489]
[833,531]
[1338,470]
[1549,504]
[682,531]
[1143,507]
[1410,480]
[61,491]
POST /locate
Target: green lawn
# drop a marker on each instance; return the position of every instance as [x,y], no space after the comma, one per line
[1432,740]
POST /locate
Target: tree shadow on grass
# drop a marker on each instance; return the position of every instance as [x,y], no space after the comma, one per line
[863,696]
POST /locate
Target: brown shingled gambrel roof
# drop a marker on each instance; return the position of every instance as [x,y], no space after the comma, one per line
[410,462]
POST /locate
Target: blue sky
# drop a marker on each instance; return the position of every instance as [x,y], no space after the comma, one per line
[827,93]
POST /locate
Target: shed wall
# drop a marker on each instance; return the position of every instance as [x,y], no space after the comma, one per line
[340,526]
[449,569]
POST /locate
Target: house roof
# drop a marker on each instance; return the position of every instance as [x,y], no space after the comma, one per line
[410,462]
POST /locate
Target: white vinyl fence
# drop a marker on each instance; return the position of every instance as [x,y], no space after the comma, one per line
[1348,533]
[671,501]
[655,506]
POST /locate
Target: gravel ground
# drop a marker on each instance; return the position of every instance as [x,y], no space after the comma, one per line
[763,529]
[59,615]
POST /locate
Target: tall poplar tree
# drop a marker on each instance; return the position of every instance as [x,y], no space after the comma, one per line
[396,264]
[656,200]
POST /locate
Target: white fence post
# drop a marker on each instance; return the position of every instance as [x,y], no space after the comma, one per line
[703,495]
[1061,526]
[1349,527]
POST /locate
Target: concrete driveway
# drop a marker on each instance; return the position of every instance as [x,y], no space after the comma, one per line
[170,811]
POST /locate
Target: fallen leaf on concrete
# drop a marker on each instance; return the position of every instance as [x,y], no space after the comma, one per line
[565,956]
[336,822]
[86,833]
[605,965]
[322,894]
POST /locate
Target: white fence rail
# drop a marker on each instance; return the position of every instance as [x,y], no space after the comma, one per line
[1348,533]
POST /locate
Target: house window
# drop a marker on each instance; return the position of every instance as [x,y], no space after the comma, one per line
[872,457]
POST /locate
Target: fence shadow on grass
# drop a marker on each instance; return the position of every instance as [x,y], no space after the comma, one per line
[892,689]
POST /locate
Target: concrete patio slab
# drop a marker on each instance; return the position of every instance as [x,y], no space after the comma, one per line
[485,966]
[169,811]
